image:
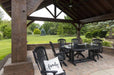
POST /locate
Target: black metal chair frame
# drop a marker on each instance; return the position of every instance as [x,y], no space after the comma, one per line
[40,55]
[75,45]
[99,48]
[61,55]
[61,43]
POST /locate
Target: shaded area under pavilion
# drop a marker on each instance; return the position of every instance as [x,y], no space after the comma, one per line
[81,12]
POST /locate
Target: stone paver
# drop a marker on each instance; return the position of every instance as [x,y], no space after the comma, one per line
[103,66]
[104,72]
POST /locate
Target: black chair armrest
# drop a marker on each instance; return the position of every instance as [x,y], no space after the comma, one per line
[45,72]
[61,53]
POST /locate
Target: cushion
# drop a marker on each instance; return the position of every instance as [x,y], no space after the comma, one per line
[53,65]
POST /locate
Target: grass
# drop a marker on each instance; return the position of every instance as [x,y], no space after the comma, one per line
[5,48]
[5,45]
[45,39]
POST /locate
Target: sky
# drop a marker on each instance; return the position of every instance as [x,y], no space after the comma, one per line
[41,13]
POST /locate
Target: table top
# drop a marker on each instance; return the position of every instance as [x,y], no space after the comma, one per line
[82,46]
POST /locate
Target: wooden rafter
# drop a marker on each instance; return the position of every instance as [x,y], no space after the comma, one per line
[66,11]
[49,11]
[59,13]
[89,7]
[30,22]
[3,1]
[50,19]
[44,4]
[32,5]
[82,9]
[98,18]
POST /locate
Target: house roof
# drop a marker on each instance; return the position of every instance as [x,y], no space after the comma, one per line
[82,11]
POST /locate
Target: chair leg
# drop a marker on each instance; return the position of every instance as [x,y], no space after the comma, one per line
[82,55]
[64,63]
[75,54]
[97,56]
[100,56]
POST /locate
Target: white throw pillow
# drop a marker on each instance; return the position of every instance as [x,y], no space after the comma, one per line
[53,65]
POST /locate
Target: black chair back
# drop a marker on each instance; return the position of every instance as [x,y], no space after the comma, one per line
[40,55]
[75,43]
[99,43]
[96,41]
[61,42]
[53,49]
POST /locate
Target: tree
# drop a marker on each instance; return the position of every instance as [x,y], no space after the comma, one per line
[5,28]
[37,31]
[50,27]
[110,26]
[43,32]
[1,14]
[33,26]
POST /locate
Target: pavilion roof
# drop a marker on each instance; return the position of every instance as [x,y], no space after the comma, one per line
[82,11]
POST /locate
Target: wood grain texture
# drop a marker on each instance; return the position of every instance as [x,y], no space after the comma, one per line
[19,31]
[3,1]
[50,19]
[105,17]
[32,5]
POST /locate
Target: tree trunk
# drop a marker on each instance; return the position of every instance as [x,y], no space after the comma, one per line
[110,34]
[78,35]
[78,28]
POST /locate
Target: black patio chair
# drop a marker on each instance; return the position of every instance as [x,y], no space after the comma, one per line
[98,48]
[78,48]
[61,55]
[61,43]
[40,55]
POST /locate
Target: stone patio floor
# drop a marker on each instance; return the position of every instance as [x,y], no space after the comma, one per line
[103,66]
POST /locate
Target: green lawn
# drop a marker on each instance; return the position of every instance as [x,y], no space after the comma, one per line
[5,45]
[5,48]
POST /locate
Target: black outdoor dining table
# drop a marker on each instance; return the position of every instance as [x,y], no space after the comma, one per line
[81,47]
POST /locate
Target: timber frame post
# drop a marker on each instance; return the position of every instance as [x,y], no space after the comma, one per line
[19,31]
[20,64]
[78,29]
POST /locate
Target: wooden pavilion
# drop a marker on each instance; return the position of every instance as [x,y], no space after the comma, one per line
[81,12]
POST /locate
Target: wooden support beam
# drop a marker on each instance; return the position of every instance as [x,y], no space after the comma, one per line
[44,4]
[19,31]
[3,1]
[30,22]
[59,13]
[32,5]
[55,11]
[98,18]
[49,11]
[6,4]
[50,19]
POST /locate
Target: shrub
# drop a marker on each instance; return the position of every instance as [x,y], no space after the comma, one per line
[43,32]
[29,32]
[37,31]
[102,33]
[7,33]
[106,43]
[87,41]
[1,35]
[88,35]
[95,33]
